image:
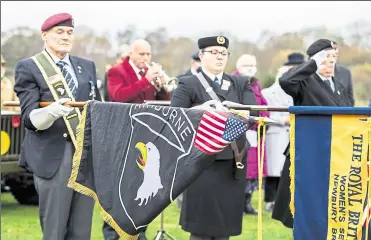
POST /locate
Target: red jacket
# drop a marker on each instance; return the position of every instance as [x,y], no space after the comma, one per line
[123,85]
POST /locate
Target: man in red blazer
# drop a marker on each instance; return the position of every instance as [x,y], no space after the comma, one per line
[131,81]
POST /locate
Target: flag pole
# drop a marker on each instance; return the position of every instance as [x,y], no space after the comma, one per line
[228,104]
[233,105]
[43,104]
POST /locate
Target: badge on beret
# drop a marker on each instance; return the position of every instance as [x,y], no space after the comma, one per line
[220,40]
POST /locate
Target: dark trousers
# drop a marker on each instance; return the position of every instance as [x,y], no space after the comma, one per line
[198,237]
[109,233]
[64,214]
[270,189]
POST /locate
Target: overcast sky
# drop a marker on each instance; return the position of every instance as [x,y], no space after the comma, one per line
[193,19]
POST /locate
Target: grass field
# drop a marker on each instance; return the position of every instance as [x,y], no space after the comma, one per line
[22,223]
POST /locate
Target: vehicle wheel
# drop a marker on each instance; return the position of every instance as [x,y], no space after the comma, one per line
[24,193]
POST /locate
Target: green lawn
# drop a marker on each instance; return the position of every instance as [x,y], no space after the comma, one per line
[21,223]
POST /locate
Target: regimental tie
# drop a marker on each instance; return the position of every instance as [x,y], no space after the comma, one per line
[68,77]
[328,83]
[216,80]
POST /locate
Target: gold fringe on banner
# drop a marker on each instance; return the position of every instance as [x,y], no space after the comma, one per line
[292,163]
[86,191]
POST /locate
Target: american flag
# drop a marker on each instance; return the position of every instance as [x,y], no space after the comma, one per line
[217,130]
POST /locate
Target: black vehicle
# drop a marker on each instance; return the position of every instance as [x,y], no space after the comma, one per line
[14,178]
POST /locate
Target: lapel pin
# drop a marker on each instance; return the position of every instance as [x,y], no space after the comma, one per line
[225,87]
[226,82]
[338,92]
[79,68]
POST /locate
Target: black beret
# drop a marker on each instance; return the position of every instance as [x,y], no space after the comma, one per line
[60,19]
[196,57]
[294,59]
[213,41]
[320,45]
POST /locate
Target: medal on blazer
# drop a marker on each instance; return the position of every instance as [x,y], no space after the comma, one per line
[226,84]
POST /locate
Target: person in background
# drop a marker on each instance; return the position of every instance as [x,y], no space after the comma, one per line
[7,91]
[344,75]
[278,135]
[132,82]
[195,66]
[119,58]
[246,66]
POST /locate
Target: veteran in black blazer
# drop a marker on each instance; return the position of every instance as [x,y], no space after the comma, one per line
[47,148]
[309,84]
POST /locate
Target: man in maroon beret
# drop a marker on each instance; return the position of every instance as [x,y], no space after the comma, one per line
[53,75]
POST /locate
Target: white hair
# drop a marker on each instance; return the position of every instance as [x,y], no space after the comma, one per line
[245,59]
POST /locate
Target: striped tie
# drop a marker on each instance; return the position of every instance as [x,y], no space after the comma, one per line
[68,77]
[216,80]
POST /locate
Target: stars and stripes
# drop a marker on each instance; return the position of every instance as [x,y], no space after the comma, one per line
[217,130]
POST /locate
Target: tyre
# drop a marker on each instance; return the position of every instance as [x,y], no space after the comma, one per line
[24,192]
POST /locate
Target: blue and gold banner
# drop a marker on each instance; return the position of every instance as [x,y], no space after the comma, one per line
[329,150]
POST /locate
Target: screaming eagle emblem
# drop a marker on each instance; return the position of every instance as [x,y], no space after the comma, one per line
[149,161]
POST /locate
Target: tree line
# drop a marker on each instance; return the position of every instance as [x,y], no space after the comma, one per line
[173,53]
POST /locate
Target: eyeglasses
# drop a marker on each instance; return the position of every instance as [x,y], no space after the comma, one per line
[216,53]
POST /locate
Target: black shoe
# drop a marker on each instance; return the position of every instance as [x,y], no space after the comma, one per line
[248,209]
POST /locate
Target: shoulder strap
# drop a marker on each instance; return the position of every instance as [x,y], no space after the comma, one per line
[59,89]
[207,86]
[237,154]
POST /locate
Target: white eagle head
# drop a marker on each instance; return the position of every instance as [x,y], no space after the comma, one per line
[149,161]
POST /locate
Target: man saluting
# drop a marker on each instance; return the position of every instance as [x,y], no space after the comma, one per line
[311,83]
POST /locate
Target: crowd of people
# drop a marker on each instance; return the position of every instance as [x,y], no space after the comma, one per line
[214,205]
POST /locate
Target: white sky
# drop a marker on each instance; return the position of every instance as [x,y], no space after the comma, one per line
[193,19]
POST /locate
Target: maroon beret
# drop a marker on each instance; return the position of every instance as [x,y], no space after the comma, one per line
[60,19]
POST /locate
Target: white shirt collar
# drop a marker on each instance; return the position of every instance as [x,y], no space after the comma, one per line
[135,68]
[56,59]
[324,78]
[212,76]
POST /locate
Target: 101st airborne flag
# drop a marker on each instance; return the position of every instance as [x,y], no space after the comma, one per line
[134,160]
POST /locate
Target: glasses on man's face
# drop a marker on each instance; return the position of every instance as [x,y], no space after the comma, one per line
[216,53]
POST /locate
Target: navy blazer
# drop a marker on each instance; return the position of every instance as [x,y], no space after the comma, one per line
[42,151]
